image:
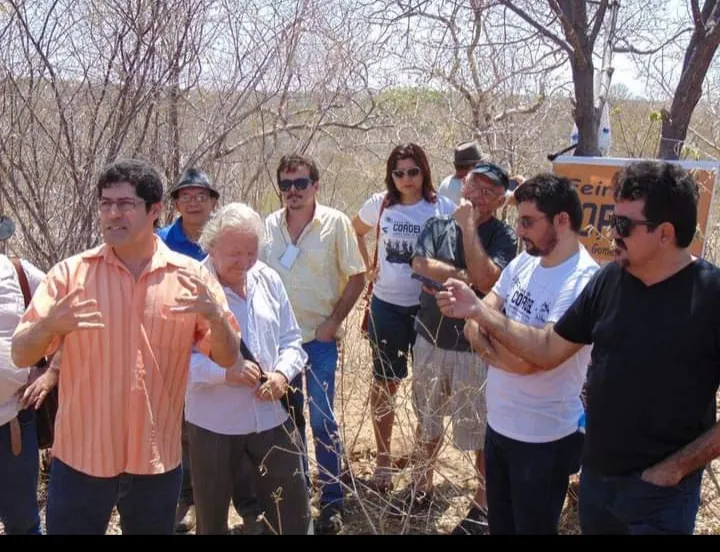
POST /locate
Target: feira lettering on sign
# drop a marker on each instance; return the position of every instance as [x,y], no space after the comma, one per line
[593,177]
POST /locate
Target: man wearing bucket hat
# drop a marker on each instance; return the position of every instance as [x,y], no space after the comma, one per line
[195,198]
[467,155]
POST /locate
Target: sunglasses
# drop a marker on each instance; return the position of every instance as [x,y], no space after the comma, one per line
[299,183]
[412,173]
[624,225]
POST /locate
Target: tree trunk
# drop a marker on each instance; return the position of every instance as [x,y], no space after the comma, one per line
[699,55]
[585,114]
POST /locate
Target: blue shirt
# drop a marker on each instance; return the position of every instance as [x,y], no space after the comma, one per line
[175,239]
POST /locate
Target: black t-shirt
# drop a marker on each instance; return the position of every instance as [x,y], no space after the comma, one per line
[655,365]
[442,239]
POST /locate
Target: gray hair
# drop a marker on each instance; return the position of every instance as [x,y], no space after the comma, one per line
[233,216]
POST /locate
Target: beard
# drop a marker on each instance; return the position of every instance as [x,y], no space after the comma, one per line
[623,262]
[544,246]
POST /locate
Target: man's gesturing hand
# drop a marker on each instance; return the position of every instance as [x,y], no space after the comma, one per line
[68,315]
[200,301]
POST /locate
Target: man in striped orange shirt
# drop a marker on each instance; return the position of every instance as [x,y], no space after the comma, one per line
[128,313]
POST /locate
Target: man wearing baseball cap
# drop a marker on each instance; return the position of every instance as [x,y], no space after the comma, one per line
[467,155]
[195,198]
[473,246]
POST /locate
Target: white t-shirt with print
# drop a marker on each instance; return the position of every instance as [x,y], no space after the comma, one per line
[399,230]
[545,406]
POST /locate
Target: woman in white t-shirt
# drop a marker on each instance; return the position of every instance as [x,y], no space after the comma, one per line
[397,216]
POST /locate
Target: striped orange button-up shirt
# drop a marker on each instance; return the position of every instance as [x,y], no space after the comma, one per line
[122,388]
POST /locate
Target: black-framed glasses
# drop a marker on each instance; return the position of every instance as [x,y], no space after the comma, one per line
[299,183]
[624,226]
[412,173]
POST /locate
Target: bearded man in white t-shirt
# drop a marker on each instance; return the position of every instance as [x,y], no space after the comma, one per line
[535,432]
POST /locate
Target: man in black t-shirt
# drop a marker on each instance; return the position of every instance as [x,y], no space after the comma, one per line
[448,378]
[652,318]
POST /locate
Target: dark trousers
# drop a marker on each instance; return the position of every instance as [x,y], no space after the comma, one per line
[18,479]
[186,491]
[280,488]
[82,504]
[527,482]
[627,505]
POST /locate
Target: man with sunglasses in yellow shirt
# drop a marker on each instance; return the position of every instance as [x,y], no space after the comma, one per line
[314,249]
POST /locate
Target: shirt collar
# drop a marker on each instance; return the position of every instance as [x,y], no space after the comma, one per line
[177,233]
[317,214]
[162,256]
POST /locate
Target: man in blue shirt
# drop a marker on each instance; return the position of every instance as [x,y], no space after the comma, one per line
[195,199]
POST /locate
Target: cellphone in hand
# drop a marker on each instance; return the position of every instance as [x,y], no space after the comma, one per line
[428,282]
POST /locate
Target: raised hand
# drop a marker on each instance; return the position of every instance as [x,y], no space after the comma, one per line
[458,300]
[68,315]
[464,215]
[200,301]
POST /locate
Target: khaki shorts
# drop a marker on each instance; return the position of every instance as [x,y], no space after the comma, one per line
[449,383]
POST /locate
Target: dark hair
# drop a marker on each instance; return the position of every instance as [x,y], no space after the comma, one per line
[140,174]
[290,163]
[552,195]
[416,153]
[669,191]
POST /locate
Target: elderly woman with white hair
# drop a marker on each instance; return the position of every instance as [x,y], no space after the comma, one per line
[237,413]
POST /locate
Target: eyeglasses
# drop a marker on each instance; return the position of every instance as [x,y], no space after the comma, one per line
[528,222]
[487,193]
[299,183]
[412,173]
[123,205]
[193,198]
[624,226]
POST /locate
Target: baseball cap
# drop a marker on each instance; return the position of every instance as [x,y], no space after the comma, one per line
[493,172]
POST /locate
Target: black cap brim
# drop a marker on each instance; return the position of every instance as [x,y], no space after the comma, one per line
[491,174]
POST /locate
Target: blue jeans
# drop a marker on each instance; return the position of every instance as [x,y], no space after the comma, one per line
[527,482]
[320,382]
[18,479]
[627,505]
[82,504]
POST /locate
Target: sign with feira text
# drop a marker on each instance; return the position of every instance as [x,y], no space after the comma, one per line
[594,176]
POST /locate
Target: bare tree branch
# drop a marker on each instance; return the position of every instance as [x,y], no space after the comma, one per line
[630,49]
